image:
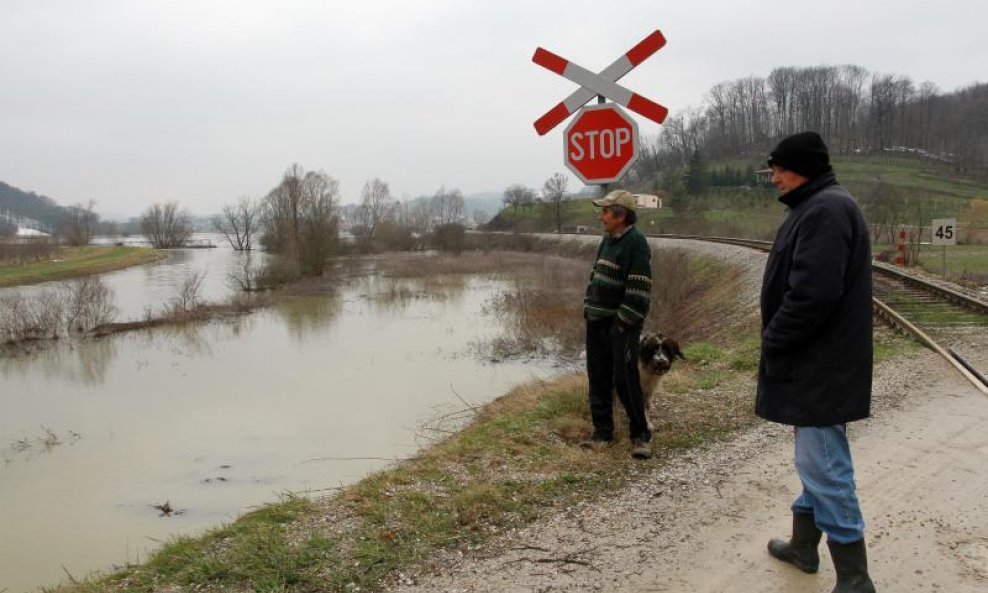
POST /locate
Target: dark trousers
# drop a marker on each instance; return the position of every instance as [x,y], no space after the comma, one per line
[612,364]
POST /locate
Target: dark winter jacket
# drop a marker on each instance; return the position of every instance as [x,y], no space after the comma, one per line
[621,280]
[816,306]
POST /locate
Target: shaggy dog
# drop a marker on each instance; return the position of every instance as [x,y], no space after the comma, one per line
[655,356]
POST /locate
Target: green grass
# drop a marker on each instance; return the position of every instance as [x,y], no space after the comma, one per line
[966,264]
[916,177]
[961,260]
[72,262]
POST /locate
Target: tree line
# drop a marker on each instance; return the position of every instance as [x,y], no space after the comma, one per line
[854,110]
[301,220]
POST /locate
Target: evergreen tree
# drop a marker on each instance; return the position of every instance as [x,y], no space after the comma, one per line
[696,175]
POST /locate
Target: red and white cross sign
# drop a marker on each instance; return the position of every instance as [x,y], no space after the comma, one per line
[602,83]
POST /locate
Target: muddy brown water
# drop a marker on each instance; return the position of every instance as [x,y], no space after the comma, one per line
[305,396]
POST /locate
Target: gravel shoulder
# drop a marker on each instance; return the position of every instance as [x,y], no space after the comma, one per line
[701,523]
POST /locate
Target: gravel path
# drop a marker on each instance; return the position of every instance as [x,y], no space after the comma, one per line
[701,523]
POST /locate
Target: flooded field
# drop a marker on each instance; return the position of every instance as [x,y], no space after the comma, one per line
[212,419]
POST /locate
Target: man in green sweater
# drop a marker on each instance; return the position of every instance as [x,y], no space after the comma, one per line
[615,307]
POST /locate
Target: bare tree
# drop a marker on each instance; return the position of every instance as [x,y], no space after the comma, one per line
[518,196]
[165,226]
[554,191]
[447,206]
[376,206]
[79,224]
[281,213]
[299,219]
[238,223]
[418,215]
[318,229]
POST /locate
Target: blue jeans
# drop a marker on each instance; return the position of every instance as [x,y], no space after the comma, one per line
[823,462]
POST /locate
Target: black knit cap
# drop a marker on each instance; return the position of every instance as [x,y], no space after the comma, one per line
[803,153]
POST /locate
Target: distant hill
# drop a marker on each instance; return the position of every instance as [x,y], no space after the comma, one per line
[16,203]
[487,203]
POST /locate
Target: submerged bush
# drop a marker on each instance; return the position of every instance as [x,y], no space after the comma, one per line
[78,306]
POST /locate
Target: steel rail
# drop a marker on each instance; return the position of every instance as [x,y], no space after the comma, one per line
[942,291]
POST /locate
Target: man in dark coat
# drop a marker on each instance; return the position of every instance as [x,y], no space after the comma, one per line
[816,363]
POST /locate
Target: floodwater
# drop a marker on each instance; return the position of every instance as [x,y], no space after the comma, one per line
[304,396]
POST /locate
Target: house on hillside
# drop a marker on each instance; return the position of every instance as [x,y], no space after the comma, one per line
[646,201]
[24,232]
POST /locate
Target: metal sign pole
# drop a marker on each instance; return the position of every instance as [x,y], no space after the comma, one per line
[944,263]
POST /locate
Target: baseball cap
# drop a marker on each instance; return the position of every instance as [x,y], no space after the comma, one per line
[618,197]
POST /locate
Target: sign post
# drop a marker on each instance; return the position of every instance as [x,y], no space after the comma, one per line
[944,232]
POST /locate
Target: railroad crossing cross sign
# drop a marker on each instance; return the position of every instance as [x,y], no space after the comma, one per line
[602,83]
[601,144]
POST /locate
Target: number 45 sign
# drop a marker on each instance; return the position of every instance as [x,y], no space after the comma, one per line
[944,231]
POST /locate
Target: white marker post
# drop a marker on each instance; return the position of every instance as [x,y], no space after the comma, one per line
[944,232]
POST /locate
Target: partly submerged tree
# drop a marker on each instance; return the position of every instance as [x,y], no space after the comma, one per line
[238,223]
[165,226]
[299,219]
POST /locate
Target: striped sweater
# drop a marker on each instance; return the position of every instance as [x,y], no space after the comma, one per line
[621,279]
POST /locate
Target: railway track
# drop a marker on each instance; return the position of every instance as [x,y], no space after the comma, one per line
[945,320]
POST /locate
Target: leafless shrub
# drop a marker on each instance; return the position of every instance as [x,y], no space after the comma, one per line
[276,272]
[28,251]
[46,313]
[189,294]
[13,317]
[88,303]
[542,310]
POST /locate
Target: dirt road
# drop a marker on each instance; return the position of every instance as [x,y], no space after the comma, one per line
[702,524]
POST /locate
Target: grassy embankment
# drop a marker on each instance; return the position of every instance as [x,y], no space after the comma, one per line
[518,459]
[74,262]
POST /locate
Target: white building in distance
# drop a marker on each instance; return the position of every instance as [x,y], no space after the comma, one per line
[647,201]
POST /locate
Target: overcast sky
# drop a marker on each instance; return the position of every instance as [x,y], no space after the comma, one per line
[131,102]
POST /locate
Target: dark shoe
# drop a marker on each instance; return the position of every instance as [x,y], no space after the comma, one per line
[851,564]
[596,443]
[801,549]
[640,449]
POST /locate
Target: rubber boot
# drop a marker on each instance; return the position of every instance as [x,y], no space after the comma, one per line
[851,564]
[801,549]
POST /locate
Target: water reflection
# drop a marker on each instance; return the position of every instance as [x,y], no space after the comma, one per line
[83,363]
[306,316]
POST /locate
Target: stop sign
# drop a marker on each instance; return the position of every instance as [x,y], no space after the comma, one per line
[601,144]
